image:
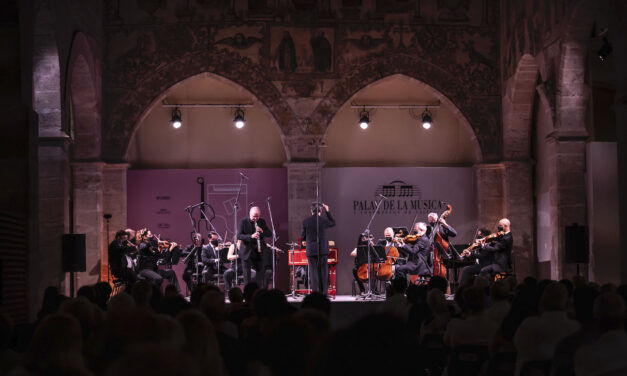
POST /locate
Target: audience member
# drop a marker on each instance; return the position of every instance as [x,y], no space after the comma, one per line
[475,328]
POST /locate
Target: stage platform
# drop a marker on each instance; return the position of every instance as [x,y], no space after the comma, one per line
[345,309]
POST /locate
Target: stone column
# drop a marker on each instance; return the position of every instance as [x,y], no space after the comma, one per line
[53,213]
[301,192]
[88,197]
[114,203]
[489,178]
[519,209]
[567,195]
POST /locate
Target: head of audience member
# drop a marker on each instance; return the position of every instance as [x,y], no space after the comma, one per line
[86,292]
[236,296]
[474,300]
[583,300]
[249,291]
[56,347]
[399,285]
[554,297]
[438,282]
[270,304]
[482,283]
[50,302]
[317,301]
[197,294]
[142,293]
[569,286]
[530,281]
[121,304]
[87,315]
[212,305]
[437,302]
[499,291]
[608,287]
[579,281]
[102,293]
[201,342]
[609,310]
[154,359]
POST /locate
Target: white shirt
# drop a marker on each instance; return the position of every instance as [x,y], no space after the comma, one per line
[608,354]
[537,336]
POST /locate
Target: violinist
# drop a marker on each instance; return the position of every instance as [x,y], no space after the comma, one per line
[149,256]
[499,249]
[417,253]
[481,257]
[121,258]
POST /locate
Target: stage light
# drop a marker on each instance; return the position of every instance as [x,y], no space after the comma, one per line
[364,119]
[426,119]
[239,120]
[176,118]
[605,50]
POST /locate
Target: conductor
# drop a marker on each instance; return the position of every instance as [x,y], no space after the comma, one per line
[315,234]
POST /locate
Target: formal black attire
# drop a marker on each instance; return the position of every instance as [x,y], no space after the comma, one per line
[493,258]
[315,235]
[417,258]
[250,255]
[121,256]
[211,260]
[148,269]
[192,265]
[229,274]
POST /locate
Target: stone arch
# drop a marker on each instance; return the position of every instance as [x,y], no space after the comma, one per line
[83,83]
[518,110]
[126,109]
[482,114]
[164,94]
[46,73]
[444,101]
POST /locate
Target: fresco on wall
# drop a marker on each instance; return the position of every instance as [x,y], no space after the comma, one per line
[301,50]
[244,41]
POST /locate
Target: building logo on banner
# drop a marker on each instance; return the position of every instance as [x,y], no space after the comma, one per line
[401,198]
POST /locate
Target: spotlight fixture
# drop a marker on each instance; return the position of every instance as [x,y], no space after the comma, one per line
[364,119]
[176,118]
[605,50]
[239,120]
[426,119]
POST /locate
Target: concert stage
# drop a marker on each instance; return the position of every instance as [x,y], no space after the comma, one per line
[345,309]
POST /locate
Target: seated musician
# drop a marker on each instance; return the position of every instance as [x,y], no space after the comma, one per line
[481,257]
[236,264]
[417,254]
[210,256]
[192,261]
[150,257]
[499,251]
[362,240]
[445,230]
[121,255]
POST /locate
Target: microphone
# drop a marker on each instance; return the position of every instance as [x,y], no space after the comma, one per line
[269,197]
[242,175]
[251,204]
[382,196]
[195,205]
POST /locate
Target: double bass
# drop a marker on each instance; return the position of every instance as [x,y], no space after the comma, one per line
[439,246]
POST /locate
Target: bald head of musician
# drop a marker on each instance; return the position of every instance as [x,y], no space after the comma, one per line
[504,225]
[255,213]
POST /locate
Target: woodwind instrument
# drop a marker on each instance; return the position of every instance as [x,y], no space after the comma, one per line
[258,238]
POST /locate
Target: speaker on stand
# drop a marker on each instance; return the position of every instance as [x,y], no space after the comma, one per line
[73,256]
[576,245]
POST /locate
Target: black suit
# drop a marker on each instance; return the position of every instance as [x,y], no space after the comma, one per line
[118,262]
[315,234]
[417,258]
[251,257]
[493,258]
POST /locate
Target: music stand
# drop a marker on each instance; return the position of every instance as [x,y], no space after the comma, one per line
[377,254]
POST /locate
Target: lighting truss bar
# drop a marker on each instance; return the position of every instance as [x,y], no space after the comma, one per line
[210,105]
[395,106]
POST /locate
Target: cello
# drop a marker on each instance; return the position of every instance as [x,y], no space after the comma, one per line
[440,245]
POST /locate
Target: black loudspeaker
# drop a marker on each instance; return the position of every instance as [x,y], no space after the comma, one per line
[73,258]
[576,244]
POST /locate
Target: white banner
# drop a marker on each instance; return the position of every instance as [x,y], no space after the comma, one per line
[352,194]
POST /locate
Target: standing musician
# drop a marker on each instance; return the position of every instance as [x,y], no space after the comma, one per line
[445,230]
[253,251]
[493,258]
[149,257]
[315,234]
[418,253]
[121,255]
[192,260]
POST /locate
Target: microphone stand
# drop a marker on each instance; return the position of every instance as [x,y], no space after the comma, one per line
[369,294]
[273,247]
[235,229]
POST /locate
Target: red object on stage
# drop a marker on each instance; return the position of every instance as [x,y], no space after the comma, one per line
[298,257]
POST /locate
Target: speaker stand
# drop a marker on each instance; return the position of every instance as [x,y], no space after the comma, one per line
[72,287]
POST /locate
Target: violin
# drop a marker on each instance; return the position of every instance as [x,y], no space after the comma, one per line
[480,241]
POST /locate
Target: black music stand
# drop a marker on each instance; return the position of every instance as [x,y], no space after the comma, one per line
[377,254]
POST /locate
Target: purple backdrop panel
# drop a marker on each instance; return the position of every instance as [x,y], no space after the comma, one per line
[157,200]
[352,194]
